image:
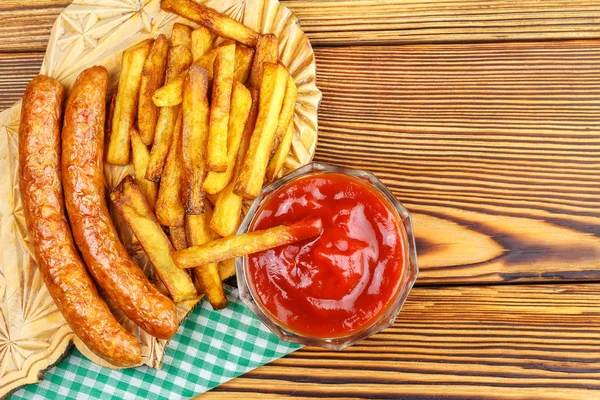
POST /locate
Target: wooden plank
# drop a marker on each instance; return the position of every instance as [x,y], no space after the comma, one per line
[493,148]
[343,22]
[25,25]
[499,342]
[16,70]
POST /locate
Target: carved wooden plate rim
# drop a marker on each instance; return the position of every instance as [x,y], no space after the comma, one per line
[33,334]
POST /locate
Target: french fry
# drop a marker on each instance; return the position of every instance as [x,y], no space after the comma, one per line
[124,115]
[178,60]
[207,61]
[140,155]
[110,113]
[284,130]
[195,136]
[227,215]
[247,243]
[216,157]
[266,52]
[243,63]
[171,93]
[221,41]
[228,207]
[133,208]
[169,208]
[212,198]
[287,111]
[206,277]
[181,35]
[219,23]
[226,269]
[281,154]
[178,237]
[241,101]
[153,77]
[272,91]
[202,40]
[197,228]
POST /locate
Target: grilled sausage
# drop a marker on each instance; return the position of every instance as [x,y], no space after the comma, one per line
[41,193]
[93,230]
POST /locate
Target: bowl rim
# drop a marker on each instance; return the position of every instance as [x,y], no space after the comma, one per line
[409,276]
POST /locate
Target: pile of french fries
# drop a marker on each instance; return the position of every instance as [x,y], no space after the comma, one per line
[208,119]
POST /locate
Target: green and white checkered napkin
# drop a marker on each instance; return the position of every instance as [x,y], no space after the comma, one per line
[211,348]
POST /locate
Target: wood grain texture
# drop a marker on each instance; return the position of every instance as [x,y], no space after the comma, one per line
[500,342]
[16,70]
[343,22]
[493,147]
[25,25]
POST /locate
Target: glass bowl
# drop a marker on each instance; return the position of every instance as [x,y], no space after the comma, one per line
[387,318]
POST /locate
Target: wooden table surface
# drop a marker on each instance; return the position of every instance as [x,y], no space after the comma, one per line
[483,118]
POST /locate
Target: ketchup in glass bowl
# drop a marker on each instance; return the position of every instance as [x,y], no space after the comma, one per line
[343,285]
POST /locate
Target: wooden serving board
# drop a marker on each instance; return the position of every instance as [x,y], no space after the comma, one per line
[33,334]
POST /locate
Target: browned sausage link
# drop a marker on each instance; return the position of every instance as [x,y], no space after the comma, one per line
[93,230]
[63,271]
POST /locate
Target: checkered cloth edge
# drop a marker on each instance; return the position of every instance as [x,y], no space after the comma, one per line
[209,349]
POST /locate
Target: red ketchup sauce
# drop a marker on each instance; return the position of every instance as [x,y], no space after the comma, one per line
[341,281]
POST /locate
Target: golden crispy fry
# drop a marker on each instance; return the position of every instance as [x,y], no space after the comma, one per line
[226,269]
[110,113]
[276,163]
[202,40]
[197,228]
[228,206]
[171,93]
[247,243]
[248,129]
[243,63]
[238,115]
[195,136]
[208,281]
[153,77]
[126,103]
[181,35]
[212,198]
[169,208]
[219,23]
[221,41]
[287,111]
[284,131]
[178,237]
[227,216]
[140,155]
[133,208]
[206,278]
[272,91]
[216,157]
[179,59]
[266,52]
[207,61]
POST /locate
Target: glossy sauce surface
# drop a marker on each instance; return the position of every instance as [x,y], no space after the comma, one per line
[341,281]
